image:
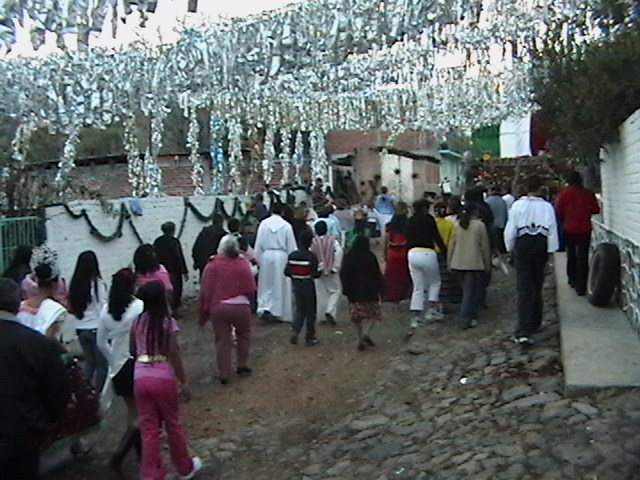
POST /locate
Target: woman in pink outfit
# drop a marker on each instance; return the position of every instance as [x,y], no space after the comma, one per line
[227,282]
[148,269]
[158,378]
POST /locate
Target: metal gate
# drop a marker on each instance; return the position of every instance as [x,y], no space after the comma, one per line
[19,231]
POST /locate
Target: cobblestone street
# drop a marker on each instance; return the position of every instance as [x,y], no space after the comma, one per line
[450,404]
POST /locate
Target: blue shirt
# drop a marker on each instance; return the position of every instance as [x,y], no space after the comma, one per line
[384,204]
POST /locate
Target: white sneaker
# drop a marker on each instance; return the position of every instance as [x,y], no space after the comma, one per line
[416,321]
[197,466]
[436,315]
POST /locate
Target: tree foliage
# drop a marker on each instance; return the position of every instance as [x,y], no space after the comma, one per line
[586,92]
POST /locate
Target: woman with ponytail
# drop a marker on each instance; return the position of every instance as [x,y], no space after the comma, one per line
[470,255]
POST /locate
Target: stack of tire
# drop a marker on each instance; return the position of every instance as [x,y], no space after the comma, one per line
[604,274]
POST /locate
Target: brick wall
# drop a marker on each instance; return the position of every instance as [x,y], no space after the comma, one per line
[70,237]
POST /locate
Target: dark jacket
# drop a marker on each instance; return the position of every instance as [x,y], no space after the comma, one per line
[34,383]
[206,245]
[302,266]
[422,231]
[361,278]
[169,253]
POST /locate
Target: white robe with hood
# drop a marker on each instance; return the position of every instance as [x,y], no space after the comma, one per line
[274,242]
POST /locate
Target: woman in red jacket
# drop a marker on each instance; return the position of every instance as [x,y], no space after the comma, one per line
[226,284]
[574,207]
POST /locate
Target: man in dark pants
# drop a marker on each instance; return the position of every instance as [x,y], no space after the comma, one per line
[207,242]
[302,267]
[34,388]
[169,253]
[531,234]
[575,205]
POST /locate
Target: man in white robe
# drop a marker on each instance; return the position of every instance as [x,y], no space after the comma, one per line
[274,242]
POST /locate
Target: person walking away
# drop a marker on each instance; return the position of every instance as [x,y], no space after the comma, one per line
[113,339]
[207,242]
[274,243]
[169,253]
[359,228]
[500,212]
[329,253]
[531,233]
[260,210]
[158,378]
[34,389]
[422,238]
[508,197]
[19,266]
[148,269]
[87,296]
[302,268]
[450,291]
[325,215]
[575,205]
[227,284]
[384,207]
[454,207]
[397,282]
[470,255]
[363,285]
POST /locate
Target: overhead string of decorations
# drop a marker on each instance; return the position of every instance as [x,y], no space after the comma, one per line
[312,67]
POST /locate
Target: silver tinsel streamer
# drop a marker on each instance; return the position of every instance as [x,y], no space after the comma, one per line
[298,155]
[151,175]
[216,150]
[285,158]
[318,155]
[68,160]
[197,171]
[268,155]
[134,162]
[235,155]
[321,65]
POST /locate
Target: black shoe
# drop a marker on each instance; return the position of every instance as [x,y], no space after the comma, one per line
[330,320]
[361,346]
[243,370]
[293,340]
[311,342]
[224,381]
[367,339]
[581,293]
[266,317]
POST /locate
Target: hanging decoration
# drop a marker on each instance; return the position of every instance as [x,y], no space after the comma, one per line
[298,155]
[197,171]
[134,161]
[319,167]
[285,155]
[320,64]
[235,155]
[218,162]
[268,155]
[68,160]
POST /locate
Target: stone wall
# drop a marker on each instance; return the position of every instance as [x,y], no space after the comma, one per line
[69,236]
[620,220]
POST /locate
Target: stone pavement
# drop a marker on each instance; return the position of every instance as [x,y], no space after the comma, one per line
[450,405]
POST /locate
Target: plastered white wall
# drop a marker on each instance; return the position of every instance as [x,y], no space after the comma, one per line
[69,236]
[620,171]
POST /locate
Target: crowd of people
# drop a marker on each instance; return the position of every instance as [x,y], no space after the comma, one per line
[282,263]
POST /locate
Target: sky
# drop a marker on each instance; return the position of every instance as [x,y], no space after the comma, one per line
[169,15]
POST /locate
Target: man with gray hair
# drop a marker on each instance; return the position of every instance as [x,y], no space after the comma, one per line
[34,388]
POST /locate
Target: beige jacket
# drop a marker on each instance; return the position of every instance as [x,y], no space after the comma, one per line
[469,249]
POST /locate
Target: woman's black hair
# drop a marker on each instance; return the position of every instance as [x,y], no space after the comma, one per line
[155,306]
[398,223]
[420,207]
[21,256]
[145,260]
[84,277]
[45,276]
[469,211]
[121,293]
[440,209]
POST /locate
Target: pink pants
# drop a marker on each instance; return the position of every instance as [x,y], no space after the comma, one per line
[224,317]
[157,401]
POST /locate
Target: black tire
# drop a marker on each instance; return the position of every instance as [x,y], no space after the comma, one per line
[604,274]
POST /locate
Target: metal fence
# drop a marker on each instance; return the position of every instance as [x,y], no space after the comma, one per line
[19,231]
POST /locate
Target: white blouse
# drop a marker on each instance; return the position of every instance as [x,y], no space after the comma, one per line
[113,336]
[91,317]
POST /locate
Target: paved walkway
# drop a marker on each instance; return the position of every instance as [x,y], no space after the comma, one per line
[599,346]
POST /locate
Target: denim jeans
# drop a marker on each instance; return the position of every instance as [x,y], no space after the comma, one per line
[304,292]
[472,288]
[95,365]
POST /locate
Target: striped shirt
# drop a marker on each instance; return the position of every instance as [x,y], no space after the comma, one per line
[302,265]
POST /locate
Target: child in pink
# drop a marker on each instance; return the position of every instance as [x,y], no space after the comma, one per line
[157,374]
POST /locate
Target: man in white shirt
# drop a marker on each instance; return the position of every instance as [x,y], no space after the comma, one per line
[531,234]
[508,198]
[274,242]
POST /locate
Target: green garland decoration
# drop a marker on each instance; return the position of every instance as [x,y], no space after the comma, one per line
[124,215]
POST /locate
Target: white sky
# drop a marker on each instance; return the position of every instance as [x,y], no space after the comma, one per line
[169,15]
